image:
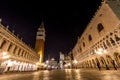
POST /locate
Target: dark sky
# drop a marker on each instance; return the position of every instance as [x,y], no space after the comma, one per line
[64,21]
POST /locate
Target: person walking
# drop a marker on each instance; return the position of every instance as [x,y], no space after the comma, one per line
[113,63]
[98,65]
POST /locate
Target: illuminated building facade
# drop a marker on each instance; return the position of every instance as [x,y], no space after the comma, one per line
[40,39]
[15,55]
[100,41]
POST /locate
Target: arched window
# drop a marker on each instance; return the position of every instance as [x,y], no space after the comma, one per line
[14,50]
[117,38]
[108,43]
[22,53]
[89,38]
[19,52]
[83,44]
[3,43]
[80,49]
[100,27]
[104,45]
[112,41]
[10,46]
[101,46]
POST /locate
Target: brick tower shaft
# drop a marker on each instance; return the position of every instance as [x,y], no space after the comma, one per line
[40,40]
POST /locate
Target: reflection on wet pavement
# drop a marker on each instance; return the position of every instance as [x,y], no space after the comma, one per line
[68,74]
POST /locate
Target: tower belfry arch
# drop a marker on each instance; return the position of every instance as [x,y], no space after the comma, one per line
[40,40]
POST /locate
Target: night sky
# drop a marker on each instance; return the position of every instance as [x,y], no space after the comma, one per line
[64,21]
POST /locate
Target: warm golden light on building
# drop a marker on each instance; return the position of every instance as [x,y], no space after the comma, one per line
[41,56]
[40,39]
[99,45]
[15,55]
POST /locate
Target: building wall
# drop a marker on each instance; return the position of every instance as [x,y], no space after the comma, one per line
[40,40]
[15,55]
[39,48]
[100,41]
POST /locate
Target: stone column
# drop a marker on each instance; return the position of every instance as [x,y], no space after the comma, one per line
[12,49]
[6,46]
[20,54]
[1,41]
[16,52]
[24,53]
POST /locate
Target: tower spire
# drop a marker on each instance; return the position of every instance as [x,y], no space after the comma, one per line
[40,39]
[42,25]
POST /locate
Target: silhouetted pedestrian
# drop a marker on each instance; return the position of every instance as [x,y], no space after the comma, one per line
[113,63]
[98,65]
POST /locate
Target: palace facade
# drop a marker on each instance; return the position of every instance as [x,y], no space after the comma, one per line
[99,45]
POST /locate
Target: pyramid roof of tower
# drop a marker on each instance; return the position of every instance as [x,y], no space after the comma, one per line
[42,25]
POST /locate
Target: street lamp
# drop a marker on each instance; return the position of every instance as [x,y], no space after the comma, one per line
[47,61]
[100,51]
[75,63]
[68,65]
[5,55]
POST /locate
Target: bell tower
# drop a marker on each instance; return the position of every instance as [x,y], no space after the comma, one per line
[40,40]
